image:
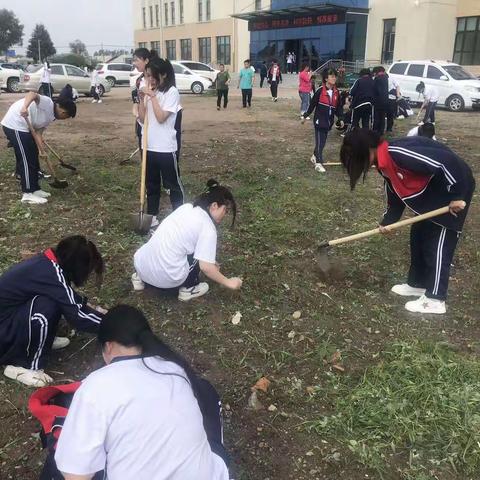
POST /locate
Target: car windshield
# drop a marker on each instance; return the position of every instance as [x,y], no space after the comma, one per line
[458,73]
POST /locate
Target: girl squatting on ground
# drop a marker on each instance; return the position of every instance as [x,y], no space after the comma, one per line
[41,111]
[423,175]
[184,244]
[160,100]
[326,103]
[34,294]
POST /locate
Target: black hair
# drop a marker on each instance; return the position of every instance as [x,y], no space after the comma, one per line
[79,258]
[221,64]
[364,71]
[67,104]
[327,72]
[247,60]
[145,54]
[378,69]
[66,93]
[304,66]
[216,193]
[161,66]
[355,152]
[420,88]
[426,130]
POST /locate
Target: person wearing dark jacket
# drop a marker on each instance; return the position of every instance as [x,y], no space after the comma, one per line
[34,294]
[274,78]
[327,104]
[362,93]
[263,73]
[422,175]
[380,101]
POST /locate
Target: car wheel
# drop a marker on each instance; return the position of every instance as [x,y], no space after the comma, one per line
[455,103]
[101,90]
[13,85]
[111,81]
[197,88]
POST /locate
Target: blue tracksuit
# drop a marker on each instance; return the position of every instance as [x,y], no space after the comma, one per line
[34,294]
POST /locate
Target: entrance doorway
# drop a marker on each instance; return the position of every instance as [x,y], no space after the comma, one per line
[292,46]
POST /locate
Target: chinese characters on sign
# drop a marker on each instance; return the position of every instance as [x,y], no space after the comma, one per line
[331,18]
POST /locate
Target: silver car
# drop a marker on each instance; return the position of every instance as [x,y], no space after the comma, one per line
[61,74]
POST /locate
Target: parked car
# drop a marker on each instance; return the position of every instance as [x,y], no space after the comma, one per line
[200,68]
[10,79]
[115,73]
[61,74]
[458,88]
[186,80]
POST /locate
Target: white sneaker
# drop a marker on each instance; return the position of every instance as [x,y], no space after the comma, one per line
[426,305]
[313,159]
[405,290]
[60,342]
[31,378]
[400,117]
[320,168]
[308,118]
[186,294]
[275,99]
[94,101]
[137,283]
[31,198]
[42,194]
[420,124]
[99,101]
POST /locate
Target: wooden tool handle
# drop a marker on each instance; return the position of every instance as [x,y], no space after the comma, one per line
[391,227]
[144,160]
[53,151]
[35,137]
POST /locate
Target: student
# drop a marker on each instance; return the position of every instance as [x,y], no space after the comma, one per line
[425,130]
[222,81]
[245,83]
[69,93]
[145,415]
[184,244]
[326,103]
[263,73]
[45,85]
[430,95]
[393,95]
[41,111]
[362,93]
[274,78]
[34,294]
[380,100]
[290,62]
[423,175]
[404,109]
[94,83]
[163,102]
[304,88]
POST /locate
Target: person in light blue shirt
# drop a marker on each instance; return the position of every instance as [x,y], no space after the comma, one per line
[245,83]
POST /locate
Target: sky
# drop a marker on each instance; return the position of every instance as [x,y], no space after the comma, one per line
[92,21]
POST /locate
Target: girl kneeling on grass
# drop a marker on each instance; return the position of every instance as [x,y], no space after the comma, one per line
[185,243]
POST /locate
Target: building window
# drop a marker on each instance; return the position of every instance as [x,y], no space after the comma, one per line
[200,10]
[388,46]
[172,13]
[223,50]
[144,17]
[155,46]
[142,44]
[151,16]
[467,41]
[157,15]
[186,49]
[205,49]
[171,49]
[165,20]
[180,5]
[258,4]
[208,10]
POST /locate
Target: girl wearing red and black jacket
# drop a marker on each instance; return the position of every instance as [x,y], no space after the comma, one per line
[423,175]
[274,77]
[34,294]
[326,103]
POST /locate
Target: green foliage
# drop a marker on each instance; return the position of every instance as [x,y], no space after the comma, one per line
[78,47]
[46,45]
[71,59]
[11,30]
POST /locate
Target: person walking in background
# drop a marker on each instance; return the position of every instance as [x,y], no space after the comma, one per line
[222,81]
[245,83]
[304,88]
[362,93]
[263,73]
[45,86]
[294,63]
[393,96]
[380,100]
[274,78]
[94,83]
[289,63]
[430,95]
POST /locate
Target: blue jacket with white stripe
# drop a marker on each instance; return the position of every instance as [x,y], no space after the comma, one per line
[41,276]
[424,175]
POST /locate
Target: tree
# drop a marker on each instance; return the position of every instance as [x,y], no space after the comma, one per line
[11,30]
[72,59]
[78,47]
[40,33]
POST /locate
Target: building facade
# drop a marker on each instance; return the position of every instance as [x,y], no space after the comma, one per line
[199,30]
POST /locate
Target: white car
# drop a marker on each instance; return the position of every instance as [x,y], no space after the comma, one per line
[186,80]
[200,68]
[115,73]
[458,88]
[10,79]
[61,74]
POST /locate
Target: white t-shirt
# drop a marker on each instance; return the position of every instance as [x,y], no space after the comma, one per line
[414,133]
[162,137]
[162,261]
[431,93]
[139,424]
[45,74]
[392,85]
[94,79]
[40,115]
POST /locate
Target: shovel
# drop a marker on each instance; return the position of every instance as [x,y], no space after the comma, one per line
[141,222]
[326,266]
[60,161]
[126,160]
[56,182]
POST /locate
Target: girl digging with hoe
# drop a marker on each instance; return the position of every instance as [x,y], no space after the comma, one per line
[185,243]
[423,175]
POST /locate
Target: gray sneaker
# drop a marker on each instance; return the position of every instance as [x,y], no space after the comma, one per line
[186,294]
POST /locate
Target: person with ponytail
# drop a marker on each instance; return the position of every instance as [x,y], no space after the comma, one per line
[145,415]
[423,175]
[34,294]
[184,244]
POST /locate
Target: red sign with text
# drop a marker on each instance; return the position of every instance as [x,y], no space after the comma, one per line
[330,18]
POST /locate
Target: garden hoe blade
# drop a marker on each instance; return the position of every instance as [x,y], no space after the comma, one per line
[126,160]
[60,160]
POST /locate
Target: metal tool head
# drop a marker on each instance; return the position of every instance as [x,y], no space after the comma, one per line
[60,184]
[141,222]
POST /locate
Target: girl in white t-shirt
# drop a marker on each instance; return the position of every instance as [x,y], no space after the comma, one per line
[46,86]
[161,107]
[145,415]
[184,244]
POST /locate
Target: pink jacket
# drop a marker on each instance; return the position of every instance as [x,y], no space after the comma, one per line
[304,84]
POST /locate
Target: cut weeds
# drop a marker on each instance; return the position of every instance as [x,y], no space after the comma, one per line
[418,408]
